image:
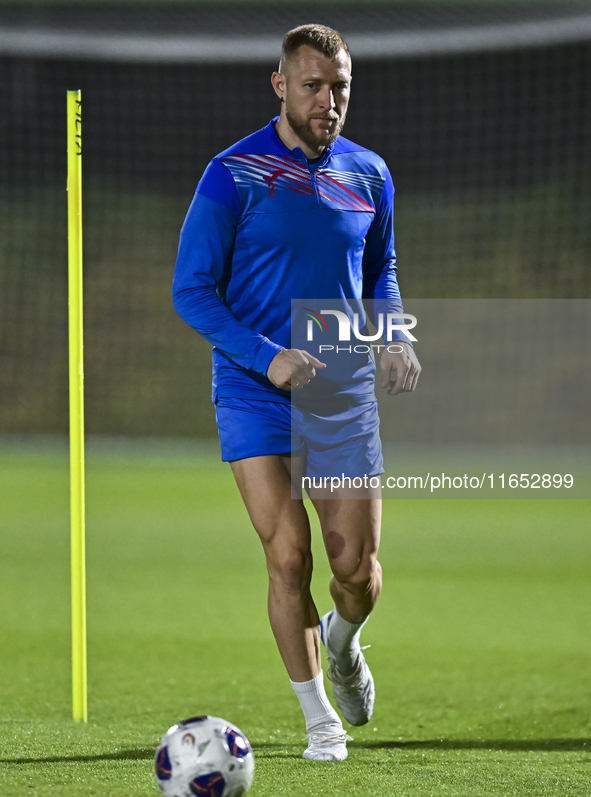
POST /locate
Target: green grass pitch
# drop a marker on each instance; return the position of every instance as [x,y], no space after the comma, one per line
[480,642]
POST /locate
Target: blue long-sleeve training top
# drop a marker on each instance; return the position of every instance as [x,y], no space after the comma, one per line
[265,227]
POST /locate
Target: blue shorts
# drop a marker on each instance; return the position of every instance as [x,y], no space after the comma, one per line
[343,443]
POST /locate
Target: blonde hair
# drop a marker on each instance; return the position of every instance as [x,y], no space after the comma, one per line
[324,40]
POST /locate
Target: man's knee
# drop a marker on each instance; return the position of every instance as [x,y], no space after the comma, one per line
[289,566]
[360,577]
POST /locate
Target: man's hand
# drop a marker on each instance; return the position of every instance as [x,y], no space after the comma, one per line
[403,360]
[291,369]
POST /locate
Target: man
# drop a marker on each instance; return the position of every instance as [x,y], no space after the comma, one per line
[293,211]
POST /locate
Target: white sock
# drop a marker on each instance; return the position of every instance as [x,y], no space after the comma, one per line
[343,638]
[314,702]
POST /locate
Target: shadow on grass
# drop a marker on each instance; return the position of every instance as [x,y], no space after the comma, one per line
[525,745]
[141,754]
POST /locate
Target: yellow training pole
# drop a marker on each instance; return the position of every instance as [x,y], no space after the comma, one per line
[79,686]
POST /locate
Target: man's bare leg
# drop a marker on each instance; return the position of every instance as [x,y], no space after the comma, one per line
[351,531]
[284,530]
[283,527]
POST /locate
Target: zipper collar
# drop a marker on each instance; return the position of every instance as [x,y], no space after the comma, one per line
[297,153]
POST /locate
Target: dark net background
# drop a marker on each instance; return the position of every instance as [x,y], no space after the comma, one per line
[489,153]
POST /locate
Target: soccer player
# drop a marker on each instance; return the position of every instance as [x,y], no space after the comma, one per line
[295,210]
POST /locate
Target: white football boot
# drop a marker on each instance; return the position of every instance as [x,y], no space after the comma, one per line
[327,743]
[355,693]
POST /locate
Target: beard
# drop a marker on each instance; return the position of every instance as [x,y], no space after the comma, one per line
[303,129]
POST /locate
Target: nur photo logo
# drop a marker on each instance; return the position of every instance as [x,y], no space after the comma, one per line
[387,325]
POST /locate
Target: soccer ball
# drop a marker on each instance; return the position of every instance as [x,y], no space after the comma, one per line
[204,757]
